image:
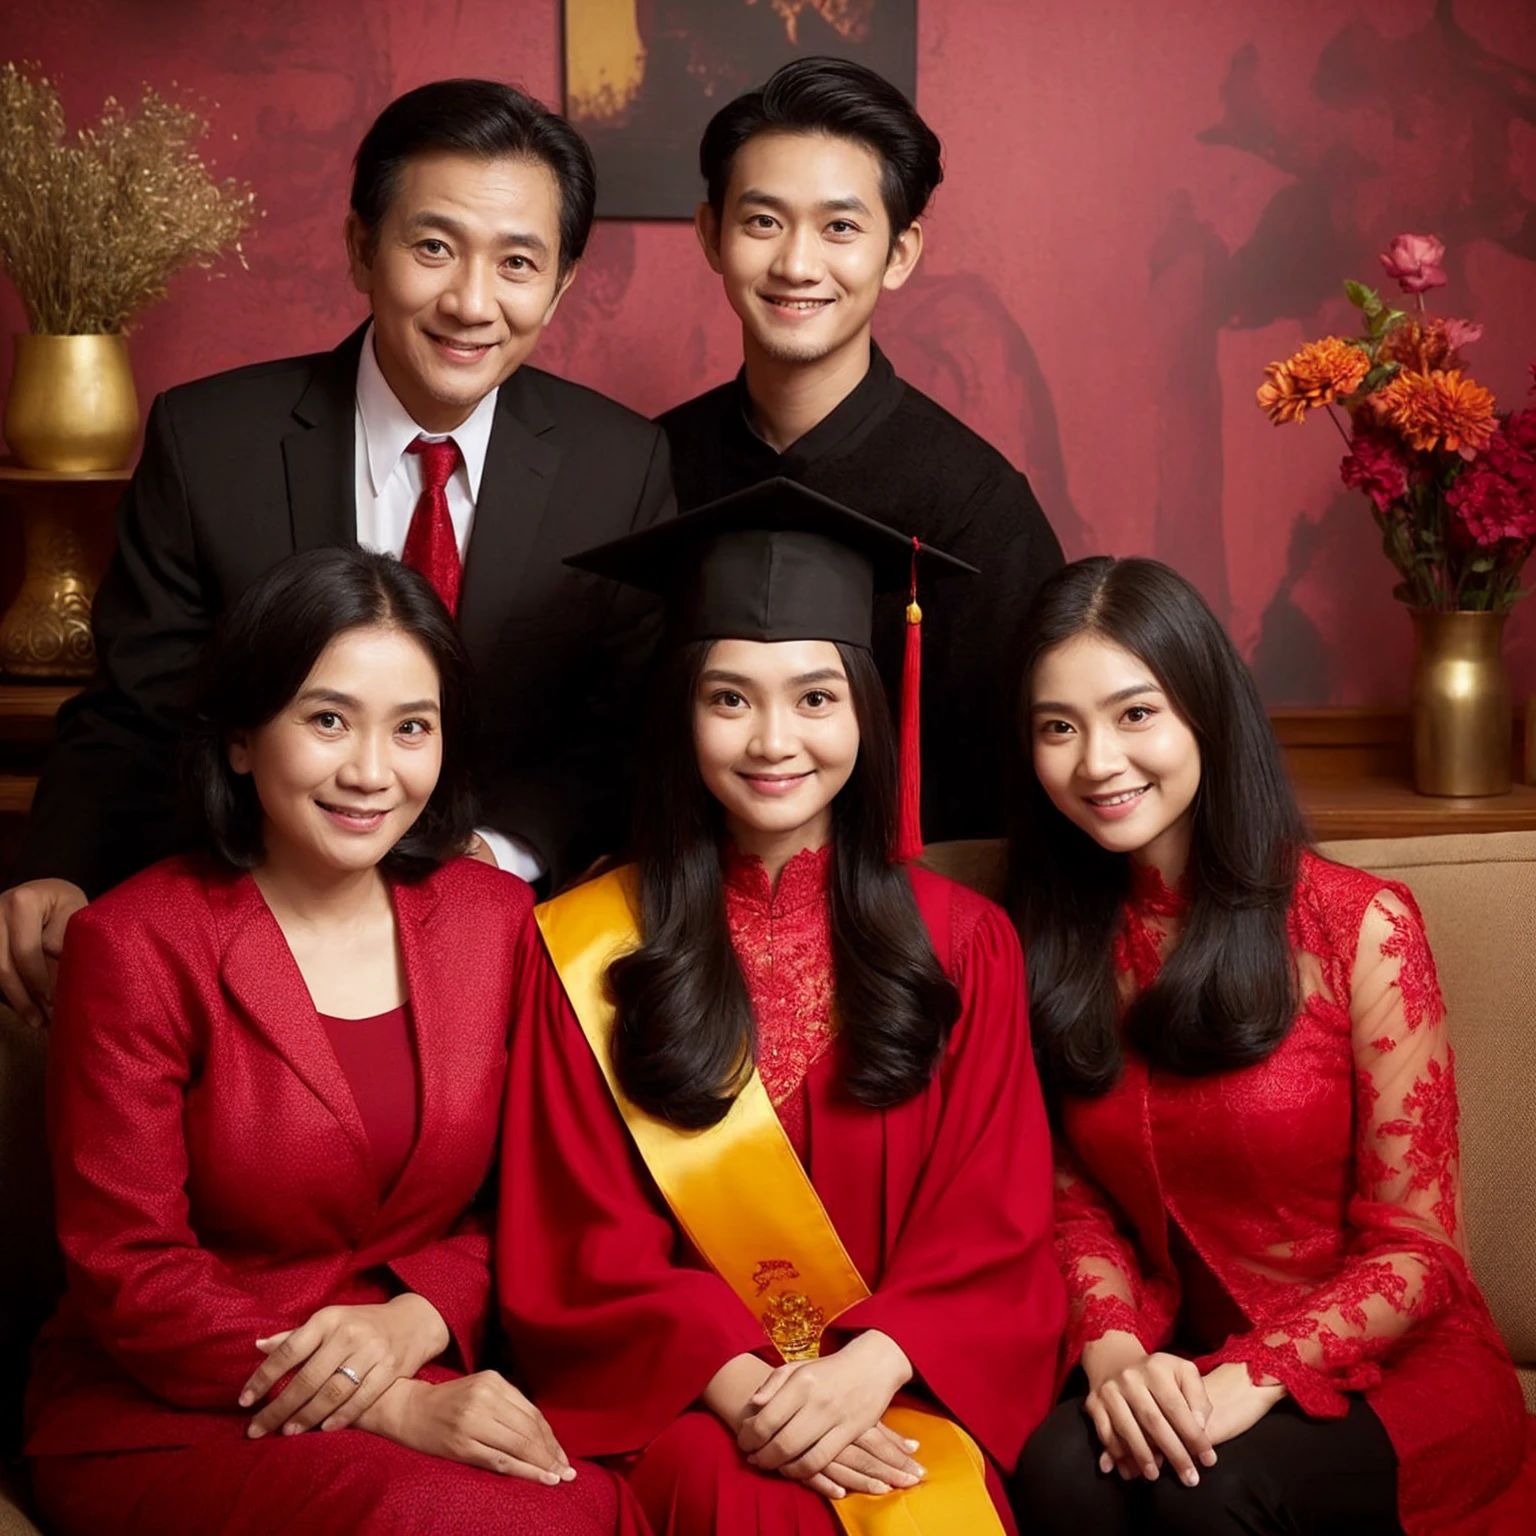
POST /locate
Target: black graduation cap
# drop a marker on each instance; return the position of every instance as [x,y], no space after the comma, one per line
[778,561]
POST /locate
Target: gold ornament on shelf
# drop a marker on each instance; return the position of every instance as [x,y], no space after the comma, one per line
[45,634]
[1462,738]
[72,405]
[92,227]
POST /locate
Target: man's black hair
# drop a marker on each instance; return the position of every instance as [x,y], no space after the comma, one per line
[482,118]
[846,101]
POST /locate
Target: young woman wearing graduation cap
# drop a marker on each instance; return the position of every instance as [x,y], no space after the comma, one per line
[776,1207]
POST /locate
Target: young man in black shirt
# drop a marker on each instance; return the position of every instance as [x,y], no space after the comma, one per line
[816,185]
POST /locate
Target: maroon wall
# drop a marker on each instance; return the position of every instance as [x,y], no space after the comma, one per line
[1144,205]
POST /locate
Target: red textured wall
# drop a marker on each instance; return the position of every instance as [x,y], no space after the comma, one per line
[1144,205]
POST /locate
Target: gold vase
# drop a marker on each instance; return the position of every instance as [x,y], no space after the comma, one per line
[72,405]
[1463,720]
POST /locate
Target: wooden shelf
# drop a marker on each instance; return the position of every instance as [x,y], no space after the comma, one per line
[16,791]
[1353,775]
[27,710]
[1388,807]
[33,701]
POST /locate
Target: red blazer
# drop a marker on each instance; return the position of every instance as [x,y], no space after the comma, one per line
[212,1175]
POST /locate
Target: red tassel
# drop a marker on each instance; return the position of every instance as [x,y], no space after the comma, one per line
[909,823]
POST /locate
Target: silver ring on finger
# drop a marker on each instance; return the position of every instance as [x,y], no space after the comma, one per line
[349,1373]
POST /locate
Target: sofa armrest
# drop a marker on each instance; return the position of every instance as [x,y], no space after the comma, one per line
[13,1518]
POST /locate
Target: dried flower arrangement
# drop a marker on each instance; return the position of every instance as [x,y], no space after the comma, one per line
[1452,483]
[93,227]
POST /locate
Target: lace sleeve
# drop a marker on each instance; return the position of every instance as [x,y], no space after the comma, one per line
[1106,1289]
[1406,1260]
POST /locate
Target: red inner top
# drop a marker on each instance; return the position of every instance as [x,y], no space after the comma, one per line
[379,1058]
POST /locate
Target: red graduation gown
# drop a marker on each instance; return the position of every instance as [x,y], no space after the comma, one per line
[943,1203]
[215,1183]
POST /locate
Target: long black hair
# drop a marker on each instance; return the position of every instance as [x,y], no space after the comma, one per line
[1228,993]
[685,1037]
[264,648]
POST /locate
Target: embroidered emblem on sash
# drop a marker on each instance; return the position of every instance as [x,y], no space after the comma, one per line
[771,1270]
[795,1323]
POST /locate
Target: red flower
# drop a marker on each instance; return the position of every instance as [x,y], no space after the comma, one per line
[1376,466]
[1494,500]
[1414,261]
[1519,435]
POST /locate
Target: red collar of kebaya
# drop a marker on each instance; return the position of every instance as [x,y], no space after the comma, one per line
[802,881]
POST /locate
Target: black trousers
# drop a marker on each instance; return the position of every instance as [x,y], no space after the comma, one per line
[1287,1476]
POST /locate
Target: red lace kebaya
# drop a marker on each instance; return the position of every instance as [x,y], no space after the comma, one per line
[782,937]
[1315,1195]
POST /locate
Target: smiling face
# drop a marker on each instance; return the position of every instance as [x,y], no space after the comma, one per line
[343,770]
[463,276]
[1112,754]
[803,244]
[776,735]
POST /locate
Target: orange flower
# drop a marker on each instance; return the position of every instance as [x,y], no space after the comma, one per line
[1322,372]
[1433,344]
[1439,410]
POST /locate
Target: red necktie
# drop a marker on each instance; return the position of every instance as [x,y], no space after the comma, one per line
[430,544]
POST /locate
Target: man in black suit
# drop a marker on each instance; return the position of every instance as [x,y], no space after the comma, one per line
[424,434]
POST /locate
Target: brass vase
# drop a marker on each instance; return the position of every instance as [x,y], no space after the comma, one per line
[72,405]
[1463,719]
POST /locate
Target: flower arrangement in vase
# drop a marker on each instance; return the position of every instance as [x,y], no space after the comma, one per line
[1452,486]
[92,227]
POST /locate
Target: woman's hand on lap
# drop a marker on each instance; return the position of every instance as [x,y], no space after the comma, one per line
[879,1461]
[807,1414]
[482,1420]
[1236,1403]
[1147,1408]
[377,1344]
[731,1390]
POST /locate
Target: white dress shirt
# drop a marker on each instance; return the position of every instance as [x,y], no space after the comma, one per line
[388,486]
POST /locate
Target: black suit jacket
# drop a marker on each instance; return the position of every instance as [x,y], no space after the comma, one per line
[247,467]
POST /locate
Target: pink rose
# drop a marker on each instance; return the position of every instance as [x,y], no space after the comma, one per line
[1462,333]
[1414,260]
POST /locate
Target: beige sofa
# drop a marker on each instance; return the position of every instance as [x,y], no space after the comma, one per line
[1479,898]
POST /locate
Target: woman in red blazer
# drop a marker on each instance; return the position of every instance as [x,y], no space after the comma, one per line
[274,1087]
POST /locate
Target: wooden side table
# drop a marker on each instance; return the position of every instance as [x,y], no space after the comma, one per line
[66,526]
[1353,776]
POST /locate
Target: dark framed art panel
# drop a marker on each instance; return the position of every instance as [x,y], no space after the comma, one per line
[643,77]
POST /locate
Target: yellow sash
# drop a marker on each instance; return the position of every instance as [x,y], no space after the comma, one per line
[738,1190]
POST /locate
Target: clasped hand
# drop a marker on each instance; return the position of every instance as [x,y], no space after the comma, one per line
[818,1421]
[376,1345]
[482,1420]
[1147,1408]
